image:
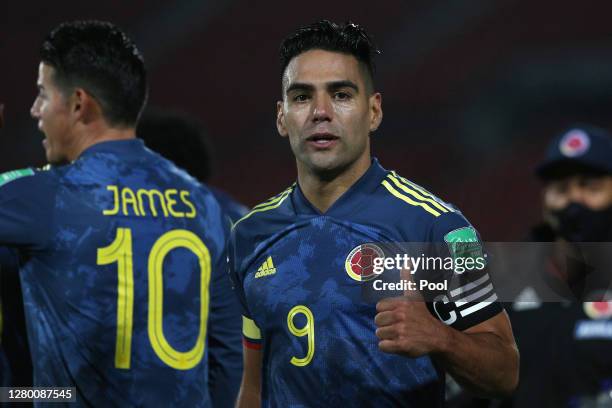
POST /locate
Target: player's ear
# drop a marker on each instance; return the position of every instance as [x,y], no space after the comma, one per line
[83,106]
[376,113]
[280,119]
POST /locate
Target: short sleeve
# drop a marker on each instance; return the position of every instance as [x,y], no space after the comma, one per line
[27,201]
[468,297]
[251,334]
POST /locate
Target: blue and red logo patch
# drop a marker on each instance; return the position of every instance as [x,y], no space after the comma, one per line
[575,143]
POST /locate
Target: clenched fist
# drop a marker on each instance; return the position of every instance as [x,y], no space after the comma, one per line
[406,327]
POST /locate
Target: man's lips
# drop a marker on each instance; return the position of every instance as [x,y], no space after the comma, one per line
[322,140]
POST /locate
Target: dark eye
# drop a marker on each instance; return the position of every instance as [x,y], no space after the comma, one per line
[559,187]
[342,96]
[300,98]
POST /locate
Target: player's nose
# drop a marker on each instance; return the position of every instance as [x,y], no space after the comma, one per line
[322,109]
[575,193]
[35,109]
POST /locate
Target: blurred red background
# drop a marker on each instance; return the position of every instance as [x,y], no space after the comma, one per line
[472,91]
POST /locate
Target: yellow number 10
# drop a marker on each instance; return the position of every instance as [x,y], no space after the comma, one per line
[307,330]
[120,251]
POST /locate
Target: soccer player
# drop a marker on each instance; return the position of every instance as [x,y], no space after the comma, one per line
[122,253]
[181,139]
[310,339]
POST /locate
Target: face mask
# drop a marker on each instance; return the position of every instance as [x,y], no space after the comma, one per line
[578,223]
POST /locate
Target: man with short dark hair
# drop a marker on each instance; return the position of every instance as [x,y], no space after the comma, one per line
[122,254]
[310,337]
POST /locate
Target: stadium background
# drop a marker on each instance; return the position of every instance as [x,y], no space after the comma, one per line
[471,90]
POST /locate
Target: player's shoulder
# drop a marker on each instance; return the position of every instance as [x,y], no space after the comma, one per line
[414,205]
[266,214]
[28,180]
[411,197]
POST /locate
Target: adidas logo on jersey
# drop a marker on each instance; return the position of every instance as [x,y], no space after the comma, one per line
[266,269]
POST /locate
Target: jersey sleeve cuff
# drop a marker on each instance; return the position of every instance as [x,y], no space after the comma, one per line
[251,333]
[251,344]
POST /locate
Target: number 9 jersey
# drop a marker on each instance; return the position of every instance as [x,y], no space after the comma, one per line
[296,273]
[123,270]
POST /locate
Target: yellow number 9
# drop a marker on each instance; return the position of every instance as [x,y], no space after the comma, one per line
[307,330]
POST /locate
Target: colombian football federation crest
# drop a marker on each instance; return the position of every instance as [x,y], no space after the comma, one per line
[574,143]
[598,310]
[359,263]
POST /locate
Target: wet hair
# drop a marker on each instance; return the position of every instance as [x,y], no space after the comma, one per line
[348,38]
[99,58]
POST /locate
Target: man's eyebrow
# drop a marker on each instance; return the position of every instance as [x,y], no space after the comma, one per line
[342,84]
[299,86]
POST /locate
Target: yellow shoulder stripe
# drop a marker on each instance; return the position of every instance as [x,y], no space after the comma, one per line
[417,195]
[273,199]
[421,190]
[250,329]
[266,206]
[416,187]
[408,200]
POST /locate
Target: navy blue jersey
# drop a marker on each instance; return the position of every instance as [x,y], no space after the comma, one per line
[123,277]
[303,303]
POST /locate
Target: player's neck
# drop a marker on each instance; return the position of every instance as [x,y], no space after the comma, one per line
[323,191]
[99,134]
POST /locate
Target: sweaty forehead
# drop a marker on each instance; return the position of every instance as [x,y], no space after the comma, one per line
[318,67]
[45,74]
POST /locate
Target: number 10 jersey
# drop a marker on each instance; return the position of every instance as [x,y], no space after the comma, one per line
[123,274]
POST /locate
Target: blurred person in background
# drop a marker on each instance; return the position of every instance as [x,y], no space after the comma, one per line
[565,339]
[181,139]
[567,346]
